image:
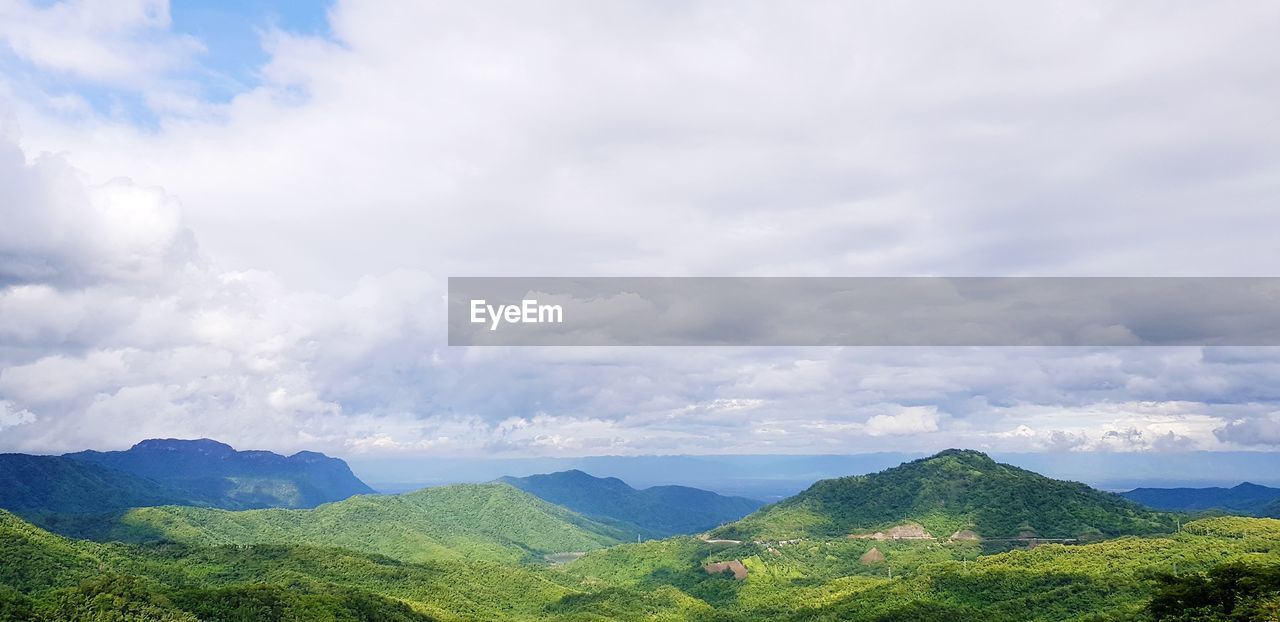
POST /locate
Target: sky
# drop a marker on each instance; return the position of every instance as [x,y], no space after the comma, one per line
[235,220]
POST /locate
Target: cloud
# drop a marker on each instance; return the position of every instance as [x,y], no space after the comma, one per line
[684,140]
[1059,440]
[331,201]
[1251,432]
[60,231]
[908,420]
[118,43]
[11,416]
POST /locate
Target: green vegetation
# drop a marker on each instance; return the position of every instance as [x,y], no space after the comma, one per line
[79,494]
[464,521]
[824,579]
[474,552]
[658,511]
[1237,591]
[1247,499]
[38,485]
[206,472]
[951,491]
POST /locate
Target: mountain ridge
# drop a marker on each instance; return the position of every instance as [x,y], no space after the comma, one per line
[949,492]
[493,521]
[210,472]
[656,511]
[1247,497]
[54,490]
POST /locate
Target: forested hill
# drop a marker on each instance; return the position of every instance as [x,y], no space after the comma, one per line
[463,521]
[35,485]
[658,511]
[206,472]
[1246,498]
[952,491]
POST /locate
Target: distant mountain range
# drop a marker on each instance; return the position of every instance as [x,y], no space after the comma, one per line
[1247,498]
[172,472]
[654,512]
[956,493]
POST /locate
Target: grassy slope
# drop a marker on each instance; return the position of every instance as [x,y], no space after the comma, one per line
[466,521]
[947,492]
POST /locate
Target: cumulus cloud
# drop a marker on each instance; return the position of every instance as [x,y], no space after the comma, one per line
[61,231]
[907,420]
[1251,432]
[331,201]
[11,415]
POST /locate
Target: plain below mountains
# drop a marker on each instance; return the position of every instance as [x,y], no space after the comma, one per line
[1247,498]
[955,494]
[654,512]
[168,471]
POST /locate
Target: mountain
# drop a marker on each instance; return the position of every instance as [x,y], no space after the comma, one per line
[206,472]
[1270,510]
[47,578]
[946,494]
[1246,498]
[658,511]
[463,521]
[44,484]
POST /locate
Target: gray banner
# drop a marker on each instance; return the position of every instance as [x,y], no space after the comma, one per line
[856,311]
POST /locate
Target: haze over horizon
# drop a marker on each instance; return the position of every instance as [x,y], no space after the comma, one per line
[220,221]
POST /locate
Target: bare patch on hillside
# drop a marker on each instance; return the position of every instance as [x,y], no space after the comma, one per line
[905,531]
[739,570]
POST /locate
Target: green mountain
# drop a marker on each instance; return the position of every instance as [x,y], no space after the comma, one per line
[32,485]
[953,491]
[658,511]
[1223,568]
[278,566]
[69,491]
[206,472]
[462,521]
[47,578]
[1247,498]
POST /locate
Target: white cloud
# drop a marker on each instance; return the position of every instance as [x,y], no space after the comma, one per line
[124,42]
[907,420]
[11,416]
[635,139]
[61,231]
[1251,432]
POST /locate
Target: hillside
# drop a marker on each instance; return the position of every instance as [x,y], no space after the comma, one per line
[1246,498]
[463,521]
[1225,568]
[206,472]
[658,511]
[47,578]
[51,579]
[952,491]
[31,485]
